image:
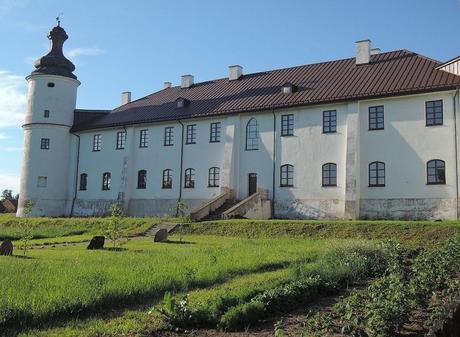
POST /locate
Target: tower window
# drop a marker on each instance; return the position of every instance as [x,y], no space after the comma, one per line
[436,172]
[329,174]
[189,178]
[83,181]
[46,114]
[167,178]
[50,85]
[214,177]
[106,181]
[169,136]
[97,142]
[287,125]
[329,121]
[215,132]
[121,140]
[142,179]
[252,135]
[287,176]
[376,117]
[191,134]
[433,112]
[42,182]
[144,138]
[45,144]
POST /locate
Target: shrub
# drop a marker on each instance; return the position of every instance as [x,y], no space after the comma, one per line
[242,316]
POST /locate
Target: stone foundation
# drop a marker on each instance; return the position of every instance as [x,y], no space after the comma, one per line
[309,209]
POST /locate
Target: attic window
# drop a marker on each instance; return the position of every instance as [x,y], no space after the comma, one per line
[50,85]
[181,103]
[288,88]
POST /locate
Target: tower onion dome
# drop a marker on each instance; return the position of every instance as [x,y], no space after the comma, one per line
[55,63]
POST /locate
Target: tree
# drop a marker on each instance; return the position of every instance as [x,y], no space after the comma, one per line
[114,226]
[183,216]
[7,194]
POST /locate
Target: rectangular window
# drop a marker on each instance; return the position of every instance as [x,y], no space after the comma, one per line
[97,142]
[287,125]
[329,121]
[46,114]
[434,113]
[45,144]
[42,182]
[169,136]
[191,134]
[121,140]
[376,121]
[144,138]
[215,132]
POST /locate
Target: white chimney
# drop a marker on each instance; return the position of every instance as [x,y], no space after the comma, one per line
[125,97]
[375,51]
[167,85]
[235,72]
[186,81]
[363,51]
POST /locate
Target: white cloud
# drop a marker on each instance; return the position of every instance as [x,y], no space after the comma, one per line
[7,5]
[13,149]
[9,181]
[75,52]
[13,99]
[3,136]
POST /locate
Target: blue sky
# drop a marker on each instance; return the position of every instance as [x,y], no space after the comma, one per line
[137,45]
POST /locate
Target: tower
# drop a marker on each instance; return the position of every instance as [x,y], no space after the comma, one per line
[47,159]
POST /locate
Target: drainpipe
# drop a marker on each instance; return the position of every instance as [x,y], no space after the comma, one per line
[181,164]
[76,175]
[456,150]
[274,164]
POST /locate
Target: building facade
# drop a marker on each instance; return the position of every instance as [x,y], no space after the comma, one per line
[370,137]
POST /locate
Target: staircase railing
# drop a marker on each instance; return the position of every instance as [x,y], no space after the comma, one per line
[204,210]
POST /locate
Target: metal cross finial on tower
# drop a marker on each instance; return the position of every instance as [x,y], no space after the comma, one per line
[58,19]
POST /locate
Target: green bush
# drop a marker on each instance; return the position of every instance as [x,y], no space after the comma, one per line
[242,316]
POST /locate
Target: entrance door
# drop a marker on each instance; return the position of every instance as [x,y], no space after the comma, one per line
[252,183]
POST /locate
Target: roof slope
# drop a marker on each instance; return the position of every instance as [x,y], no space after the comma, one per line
[388,74]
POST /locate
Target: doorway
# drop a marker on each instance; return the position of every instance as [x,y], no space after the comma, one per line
[252,183]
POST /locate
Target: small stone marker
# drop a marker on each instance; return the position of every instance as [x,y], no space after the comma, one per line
[161,235]
[97,242]
[6,248]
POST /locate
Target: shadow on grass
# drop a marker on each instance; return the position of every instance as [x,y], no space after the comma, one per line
[24,257]
[177,242]
[115,249]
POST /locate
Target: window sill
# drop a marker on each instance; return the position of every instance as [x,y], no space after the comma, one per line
[431,125]
[96,150]
[121,148]
[328,185]
[329,132]
[166,188]
[375,129]
[436,183]
[376,186]
[142,188]
[286,185]
[214,141]
[251,149]
[287,135]
[213,186]
[168,144]
[188,187]
[143,147]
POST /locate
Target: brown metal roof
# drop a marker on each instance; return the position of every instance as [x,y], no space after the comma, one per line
[394,73]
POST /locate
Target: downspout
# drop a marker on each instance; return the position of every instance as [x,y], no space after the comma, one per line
[76,175]
[181,164]
[274,164]
[456,150]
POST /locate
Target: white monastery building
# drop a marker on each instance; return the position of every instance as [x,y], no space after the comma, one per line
[370,137]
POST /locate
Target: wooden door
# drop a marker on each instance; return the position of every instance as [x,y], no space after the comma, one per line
[252,183]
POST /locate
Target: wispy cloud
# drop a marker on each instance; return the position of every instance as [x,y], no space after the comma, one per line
[76,52]
[7,5]
[3,136]
[13,149]
[9,181]
[13,99]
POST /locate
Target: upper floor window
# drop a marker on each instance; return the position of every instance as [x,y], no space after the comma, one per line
[329,121]
[376,117]
[46,114]
[434,113]
[45,144]
[189,178]
[287,176]
[142,179]
[42,182]
[191,134]
[144,138]
[83,181]
[97,142]
[288,88]
[169,136]
[181,103]
[121,140]
[376,174]
[287,125]
[435,172]
[329,174]
[214,136]
[167,178]
[106,181]
[214,177]
[252,135]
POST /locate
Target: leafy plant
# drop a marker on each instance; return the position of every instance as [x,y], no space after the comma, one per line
[183,217]
[26,227]
[114,227]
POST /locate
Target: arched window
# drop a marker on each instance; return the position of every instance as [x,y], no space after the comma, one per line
[287,176]
[435,172]
[214,177]
[252,135]
[106,180]
[142,179]
[329,174]
[167,178]
[189,178]
[83,181]
[376,174]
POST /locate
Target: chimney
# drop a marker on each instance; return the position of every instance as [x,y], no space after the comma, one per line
[375,51]
[186,81]
[125,97]
[167,85]
[235,72]
[363,51]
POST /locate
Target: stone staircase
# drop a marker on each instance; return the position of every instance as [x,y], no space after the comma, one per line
[170,227]
[217,213]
